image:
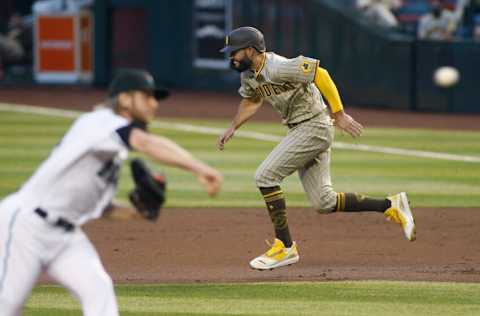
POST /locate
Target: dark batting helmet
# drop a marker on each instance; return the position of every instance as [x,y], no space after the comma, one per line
[243,37]
[136,80]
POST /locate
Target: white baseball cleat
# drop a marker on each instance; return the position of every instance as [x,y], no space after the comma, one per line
[401,213]
[278,256]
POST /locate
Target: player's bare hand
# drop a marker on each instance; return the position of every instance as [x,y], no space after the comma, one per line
[225,137]
[211,180]
[346,123]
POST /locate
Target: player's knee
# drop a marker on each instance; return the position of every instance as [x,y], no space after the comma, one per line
[266,178]
[102,299]
[326,201]
[105,286]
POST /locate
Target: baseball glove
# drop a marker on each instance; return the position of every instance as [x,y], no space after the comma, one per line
[149,193]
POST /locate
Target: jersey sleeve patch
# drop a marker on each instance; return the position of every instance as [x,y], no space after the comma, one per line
[125,131]
[306,67]
[300,70]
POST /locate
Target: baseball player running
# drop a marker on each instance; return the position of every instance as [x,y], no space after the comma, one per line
[40,223]
[295,88]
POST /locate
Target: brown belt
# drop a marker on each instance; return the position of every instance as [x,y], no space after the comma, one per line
[292,125]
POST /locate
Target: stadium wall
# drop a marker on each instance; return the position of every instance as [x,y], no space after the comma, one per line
[372,67]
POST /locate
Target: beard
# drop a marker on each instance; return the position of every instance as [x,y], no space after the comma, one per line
[244,64]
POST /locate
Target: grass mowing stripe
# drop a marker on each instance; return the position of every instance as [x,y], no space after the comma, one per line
[429,182]
[212,306]
[256,135]
[320,298]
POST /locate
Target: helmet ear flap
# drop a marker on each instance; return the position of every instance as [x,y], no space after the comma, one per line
[259,50]
[260,45]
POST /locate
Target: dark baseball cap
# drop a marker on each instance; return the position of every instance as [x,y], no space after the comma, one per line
[136,80]
[243,37]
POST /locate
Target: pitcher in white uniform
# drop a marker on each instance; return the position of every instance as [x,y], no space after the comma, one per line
[40,225]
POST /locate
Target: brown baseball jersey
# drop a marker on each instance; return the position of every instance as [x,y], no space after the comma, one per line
[287,84]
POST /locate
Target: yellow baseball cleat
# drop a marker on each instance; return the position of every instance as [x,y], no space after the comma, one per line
[278,256]
[401,213]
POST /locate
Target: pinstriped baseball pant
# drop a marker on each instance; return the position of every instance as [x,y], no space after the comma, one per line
[306,149]
[28,245]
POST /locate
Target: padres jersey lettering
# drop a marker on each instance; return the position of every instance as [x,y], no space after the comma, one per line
[287,84]
[267,89]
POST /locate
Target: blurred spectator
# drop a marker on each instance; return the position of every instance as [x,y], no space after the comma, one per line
[438,24]
[472,19]
[476,28]
[460,14]
[16,44]
[51,6]
[380,11]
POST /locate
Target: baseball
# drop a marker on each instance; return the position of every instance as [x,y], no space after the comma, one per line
[446,76]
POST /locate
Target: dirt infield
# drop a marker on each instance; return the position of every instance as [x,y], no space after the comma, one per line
[215,245]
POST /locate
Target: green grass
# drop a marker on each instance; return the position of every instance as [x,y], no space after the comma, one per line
[316,298]
[26,139]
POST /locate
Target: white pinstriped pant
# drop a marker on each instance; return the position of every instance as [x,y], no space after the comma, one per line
[306,148]
[29,245]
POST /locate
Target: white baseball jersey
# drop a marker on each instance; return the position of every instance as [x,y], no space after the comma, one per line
[73,184]
[79,178]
